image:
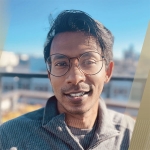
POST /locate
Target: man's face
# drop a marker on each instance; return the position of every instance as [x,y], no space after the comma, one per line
[68,88]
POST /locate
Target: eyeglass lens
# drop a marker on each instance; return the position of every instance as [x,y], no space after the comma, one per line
[89,63]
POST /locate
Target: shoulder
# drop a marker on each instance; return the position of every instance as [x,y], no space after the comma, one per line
[20,128]
[122,121]
[36,115]
[22,123]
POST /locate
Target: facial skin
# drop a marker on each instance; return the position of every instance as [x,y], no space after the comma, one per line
[73,44]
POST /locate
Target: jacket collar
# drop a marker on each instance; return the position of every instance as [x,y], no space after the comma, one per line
[54,122]
[105,128]
[50,110]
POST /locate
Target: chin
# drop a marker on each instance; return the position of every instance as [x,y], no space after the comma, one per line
[77,110]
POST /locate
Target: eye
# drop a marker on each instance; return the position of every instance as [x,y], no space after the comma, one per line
[89,62]
[61,64]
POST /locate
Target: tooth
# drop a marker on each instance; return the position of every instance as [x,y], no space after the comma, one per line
[77,94]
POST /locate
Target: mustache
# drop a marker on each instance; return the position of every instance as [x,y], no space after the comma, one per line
[79,87]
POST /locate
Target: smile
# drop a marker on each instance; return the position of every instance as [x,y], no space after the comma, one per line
[78,94]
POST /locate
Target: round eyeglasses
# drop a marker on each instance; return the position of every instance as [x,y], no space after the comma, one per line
[90,63]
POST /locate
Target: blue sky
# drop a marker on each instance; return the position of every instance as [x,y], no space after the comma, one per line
[28,22]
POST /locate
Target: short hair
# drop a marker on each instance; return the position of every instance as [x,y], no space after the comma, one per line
[79,21]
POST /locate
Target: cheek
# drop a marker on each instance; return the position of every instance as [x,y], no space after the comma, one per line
[99,81]
[56,84]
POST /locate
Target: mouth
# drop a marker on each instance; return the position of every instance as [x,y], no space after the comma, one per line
[78,94]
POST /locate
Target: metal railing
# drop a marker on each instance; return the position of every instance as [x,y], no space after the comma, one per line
[27,93]
[44,75]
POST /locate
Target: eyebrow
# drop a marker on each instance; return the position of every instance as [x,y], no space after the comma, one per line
[62,56]
[58,56]
[86,54]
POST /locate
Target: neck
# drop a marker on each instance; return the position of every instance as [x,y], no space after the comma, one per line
[82,121]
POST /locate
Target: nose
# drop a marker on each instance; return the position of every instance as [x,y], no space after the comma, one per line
[75,75]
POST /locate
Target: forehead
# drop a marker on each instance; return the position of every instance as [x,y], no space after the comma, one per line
[73,43]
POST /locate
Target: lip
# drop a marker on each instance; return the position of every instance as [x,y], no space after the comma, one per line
[74,92]
[79,99]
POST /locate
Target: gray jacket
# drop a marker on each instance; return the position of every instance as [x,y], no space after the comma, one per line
[45,129]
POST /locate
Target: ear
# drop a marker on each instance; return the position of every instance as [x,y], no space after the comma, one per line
[109,71]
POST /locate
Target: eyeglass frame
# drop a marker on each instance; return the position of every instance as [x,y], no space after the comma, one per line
[78,66]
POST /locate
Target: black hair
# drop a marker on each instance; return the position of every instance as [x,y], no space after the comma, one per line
[79,21]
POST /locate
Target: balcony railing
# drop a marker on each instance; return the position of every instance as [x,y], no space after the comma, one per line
[16,94]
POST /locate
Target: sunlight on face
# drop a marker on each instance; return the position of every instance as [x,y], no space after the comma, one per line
[76,92]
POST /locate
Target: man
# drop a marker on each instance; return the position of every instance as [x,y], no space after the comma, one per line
[78,55]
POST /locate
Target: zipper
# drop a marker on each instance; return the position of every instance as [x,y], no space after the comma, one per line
[97,143]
